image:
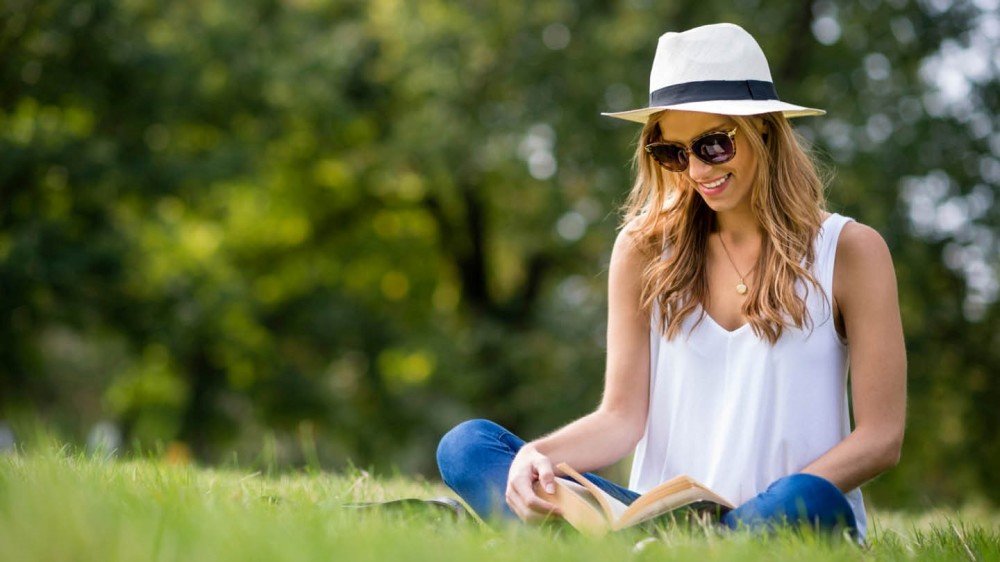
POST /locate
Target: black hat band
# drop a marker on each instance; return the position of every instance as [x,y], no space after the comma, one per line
[712,90]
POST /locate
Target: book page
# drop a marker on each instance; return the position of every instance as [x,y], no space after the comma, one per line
[613,508]
[670,495]
[579,507]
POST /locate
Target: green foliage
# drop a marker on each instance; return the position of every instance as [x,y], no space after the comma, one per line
[353,224]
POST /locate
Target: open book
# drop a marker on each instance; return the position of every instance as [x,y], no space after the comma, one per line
[594,511]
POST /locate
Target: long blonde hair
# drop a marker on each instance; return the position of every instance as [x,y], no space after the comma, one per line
[665,212]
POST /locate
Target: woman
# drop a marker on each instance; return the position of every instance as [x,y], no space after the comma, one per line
[735,304]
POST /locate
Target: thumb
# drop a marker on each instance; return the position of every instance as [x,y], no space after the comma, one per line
[546,476]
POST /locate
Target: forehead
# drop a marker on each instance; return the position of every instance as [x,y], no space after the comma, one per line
[682,126]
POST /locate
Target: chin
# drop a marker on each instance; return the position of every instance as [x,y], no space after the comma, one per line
[717,206]
[723,204]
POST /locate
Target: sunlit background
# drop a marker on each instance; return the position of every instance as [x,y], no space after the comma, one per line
[316,233]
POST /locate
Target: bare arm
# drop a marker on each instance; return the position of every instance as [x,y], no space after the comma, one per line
[612,430]
[865,290]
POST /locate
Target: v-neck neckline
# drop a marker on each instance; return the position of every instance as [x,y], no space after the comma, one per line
[744,325]
[719,327]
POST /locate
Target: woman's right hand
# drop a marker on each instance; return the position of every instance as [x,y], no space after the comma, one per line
[530,466]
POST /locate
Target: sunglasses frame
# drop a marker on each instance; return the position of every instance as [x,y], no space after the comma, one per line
[687,149]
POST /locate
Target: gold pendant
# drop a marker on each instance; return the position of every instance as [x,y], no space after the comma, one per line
[741,288]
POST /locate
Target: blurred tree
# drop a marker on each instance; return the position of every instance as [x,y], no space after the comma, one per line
[360,222]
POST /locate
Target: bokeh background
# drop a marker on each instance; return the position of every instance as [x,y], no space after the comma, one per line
[321,232]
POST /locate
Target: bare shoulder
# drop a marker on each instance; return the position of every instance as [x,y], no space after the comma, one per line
[627,262]
[627,243]
[863,262]
[861,246]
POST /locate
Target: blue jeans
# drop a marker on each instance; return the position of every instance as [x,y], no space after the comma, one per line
[475,457]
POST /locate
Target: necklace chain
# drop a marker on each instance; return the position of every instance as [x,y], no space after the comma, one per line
[741,287]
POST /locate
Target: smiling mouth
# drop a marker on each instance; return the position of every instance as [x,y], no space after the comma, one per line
[717,183]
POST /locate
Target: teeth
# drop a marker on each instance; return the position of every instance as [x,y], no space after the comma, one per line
[716,183]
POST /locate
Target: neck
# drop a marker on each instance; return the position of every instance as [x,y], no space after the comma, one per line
[737,225]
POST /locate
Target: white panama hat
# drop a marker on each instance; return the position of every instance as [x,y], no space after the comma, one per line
[717,68]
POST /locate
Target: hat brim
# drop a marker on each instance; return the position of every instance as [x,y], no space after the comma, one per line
[721,107]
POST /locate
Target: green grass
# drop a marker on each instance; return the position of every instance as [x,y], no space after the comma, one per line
[59,505]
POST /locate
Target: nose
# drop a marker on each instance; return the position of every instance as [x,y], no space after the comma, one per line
[698,170]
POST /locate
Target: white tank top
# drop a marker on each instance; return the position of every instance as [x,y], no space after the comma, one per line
[735,413]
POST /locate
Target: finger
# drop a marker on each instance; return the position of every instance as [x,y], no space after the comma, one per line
[527,494]
[541,501]
[539,505]
[516,504]
[530,510]
[529,515]
[522,486]
[547,477]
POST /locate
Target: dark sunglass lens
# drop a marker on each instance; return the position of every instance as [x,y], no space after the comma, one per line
[671,157]
[715,149]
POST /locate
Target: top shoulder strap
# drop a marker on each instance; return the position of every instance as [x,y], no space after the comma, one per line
[826,251]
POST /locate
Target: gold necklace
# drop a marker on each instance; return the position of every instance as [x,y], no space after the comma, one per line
[741,287]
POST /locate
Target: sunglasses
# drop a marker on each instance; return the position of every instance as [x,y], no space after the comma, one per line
[714,147]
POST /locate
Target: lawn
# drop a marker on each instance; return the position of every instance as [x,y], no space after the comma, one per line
[56,504]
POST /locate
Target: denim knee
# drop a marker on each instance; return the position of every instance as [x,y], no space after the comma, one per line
[816,498]
[797,498]
[454,448]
